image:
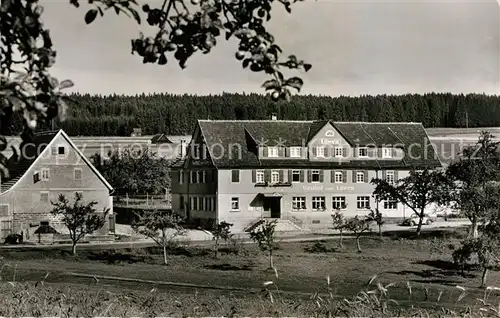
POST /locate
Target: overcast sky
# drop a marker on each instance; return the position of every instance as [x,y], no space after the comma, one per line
[356,47]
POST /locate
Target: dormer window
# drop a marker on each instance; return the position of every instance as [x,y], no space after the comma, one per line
[386,152]
[196,151]
[339,152]
[295,152]
[320,151]
[363,152]
[272,151]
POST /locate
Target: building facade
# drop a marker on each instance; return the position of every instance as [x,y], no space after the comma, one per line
[298,172]
[49,166]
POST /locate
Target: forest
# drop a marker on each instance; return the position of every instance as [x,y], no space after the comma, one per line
[116,115]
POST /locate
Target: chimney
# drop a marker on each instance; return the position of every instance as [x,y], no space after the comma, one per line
[274,116]
[183,148]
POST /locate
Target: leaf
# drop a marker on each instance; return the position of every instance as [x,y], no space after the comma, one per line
[117,9]
[271,84]
[288,8]
[228,35]
[307,67]
[246,62]
[136,15]
[90,16]
[100,11]
[66,84]
[293,58]
[295,82]
[280,76]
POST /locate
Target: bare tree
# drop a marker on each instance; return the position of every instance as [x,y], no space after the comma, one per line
[80,218]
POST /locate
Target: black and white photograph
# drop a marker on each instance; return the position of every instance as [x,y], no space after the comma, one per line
[250,158]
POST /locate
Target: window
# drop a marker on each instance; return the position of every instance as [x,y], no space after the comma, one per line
[360,177]
[205,152]
[315,176]
[4,210]
[44,197]
[272,151]
[295,152]
[194,177]
[363,152]
[200,203]
[200,177]
[45,172]
[181,176]
[61,150]
[338,203]
[320,151]
[386,152]
[363,202]
[275,177]
[77,174]
[208,204]
[295,175]
[36,176]
[235,204]
[389,177]
[235,175]
[339,152]
[181,203]
[390,204]
[196,151]
[339,177]
[259,177]
[318,203]
[194,204]
[298,203]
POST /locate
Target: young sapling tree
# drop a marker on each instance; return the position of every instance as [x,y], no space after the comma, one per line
[358,226]
[162,226]
[265,237]
[80,218]
[221,231]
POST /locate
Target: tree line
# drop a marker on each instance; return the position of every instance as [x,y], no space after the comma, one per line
[117,115]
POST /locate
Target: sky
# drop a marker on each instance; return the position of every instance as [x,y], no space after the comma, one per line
[356,48]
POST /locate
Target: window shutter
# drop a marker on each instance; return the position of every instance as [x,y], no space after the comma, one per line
[289,175]
[384,174]
[301,175]
[265,152]
[354,176]
[332,176]
[254,176]
[379,152]
[395,175]
[303,152]
[372,152]
[321,175]
[309,175]
[281,151]
[314,151]
[345,152]
[287,152]
[267,175]
[344,176]
[281,176]
[366,176]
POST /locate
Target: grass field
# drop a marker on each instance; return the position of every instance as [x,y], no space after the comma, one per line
[302,268]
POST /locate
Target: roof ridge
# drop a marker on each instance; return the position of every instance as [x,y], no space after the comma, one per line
[311,121]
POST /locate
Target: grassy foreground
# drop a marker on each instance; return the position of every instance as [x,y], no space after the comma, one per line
[413,278]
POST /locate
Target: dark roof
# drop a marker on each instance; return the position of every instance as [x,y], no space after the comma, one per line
[249,133]
[45,229]
[28,153]
[160,139]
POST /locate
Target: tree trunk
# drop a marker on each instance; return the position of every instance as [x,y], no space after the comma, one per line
[473,230]
[165,254]
[419,227]
[271,264]
[483,278]
[357,244]
[216,250]
[380,231]
[73,248]
[341,245]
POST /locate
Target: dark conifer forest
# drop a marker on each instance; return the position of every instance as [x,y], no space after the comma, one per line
[115,115]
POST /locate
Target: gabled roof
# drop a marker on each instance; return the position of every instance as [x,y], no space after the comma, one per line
[221,134]
[33,151]
[165,139]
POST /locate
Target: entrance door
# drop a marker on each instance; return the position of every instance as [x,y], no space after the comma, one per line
[275,205]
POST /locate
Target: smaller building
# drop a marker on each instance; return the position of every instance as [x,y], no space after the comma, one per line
[171,147]
[46,167]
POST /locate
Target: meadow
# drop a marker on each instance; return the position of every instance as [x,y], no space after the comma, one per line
[420,272]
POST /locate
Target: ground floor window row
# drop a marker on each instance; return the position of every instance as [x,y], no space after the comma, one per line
[198,203]
[318,203]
